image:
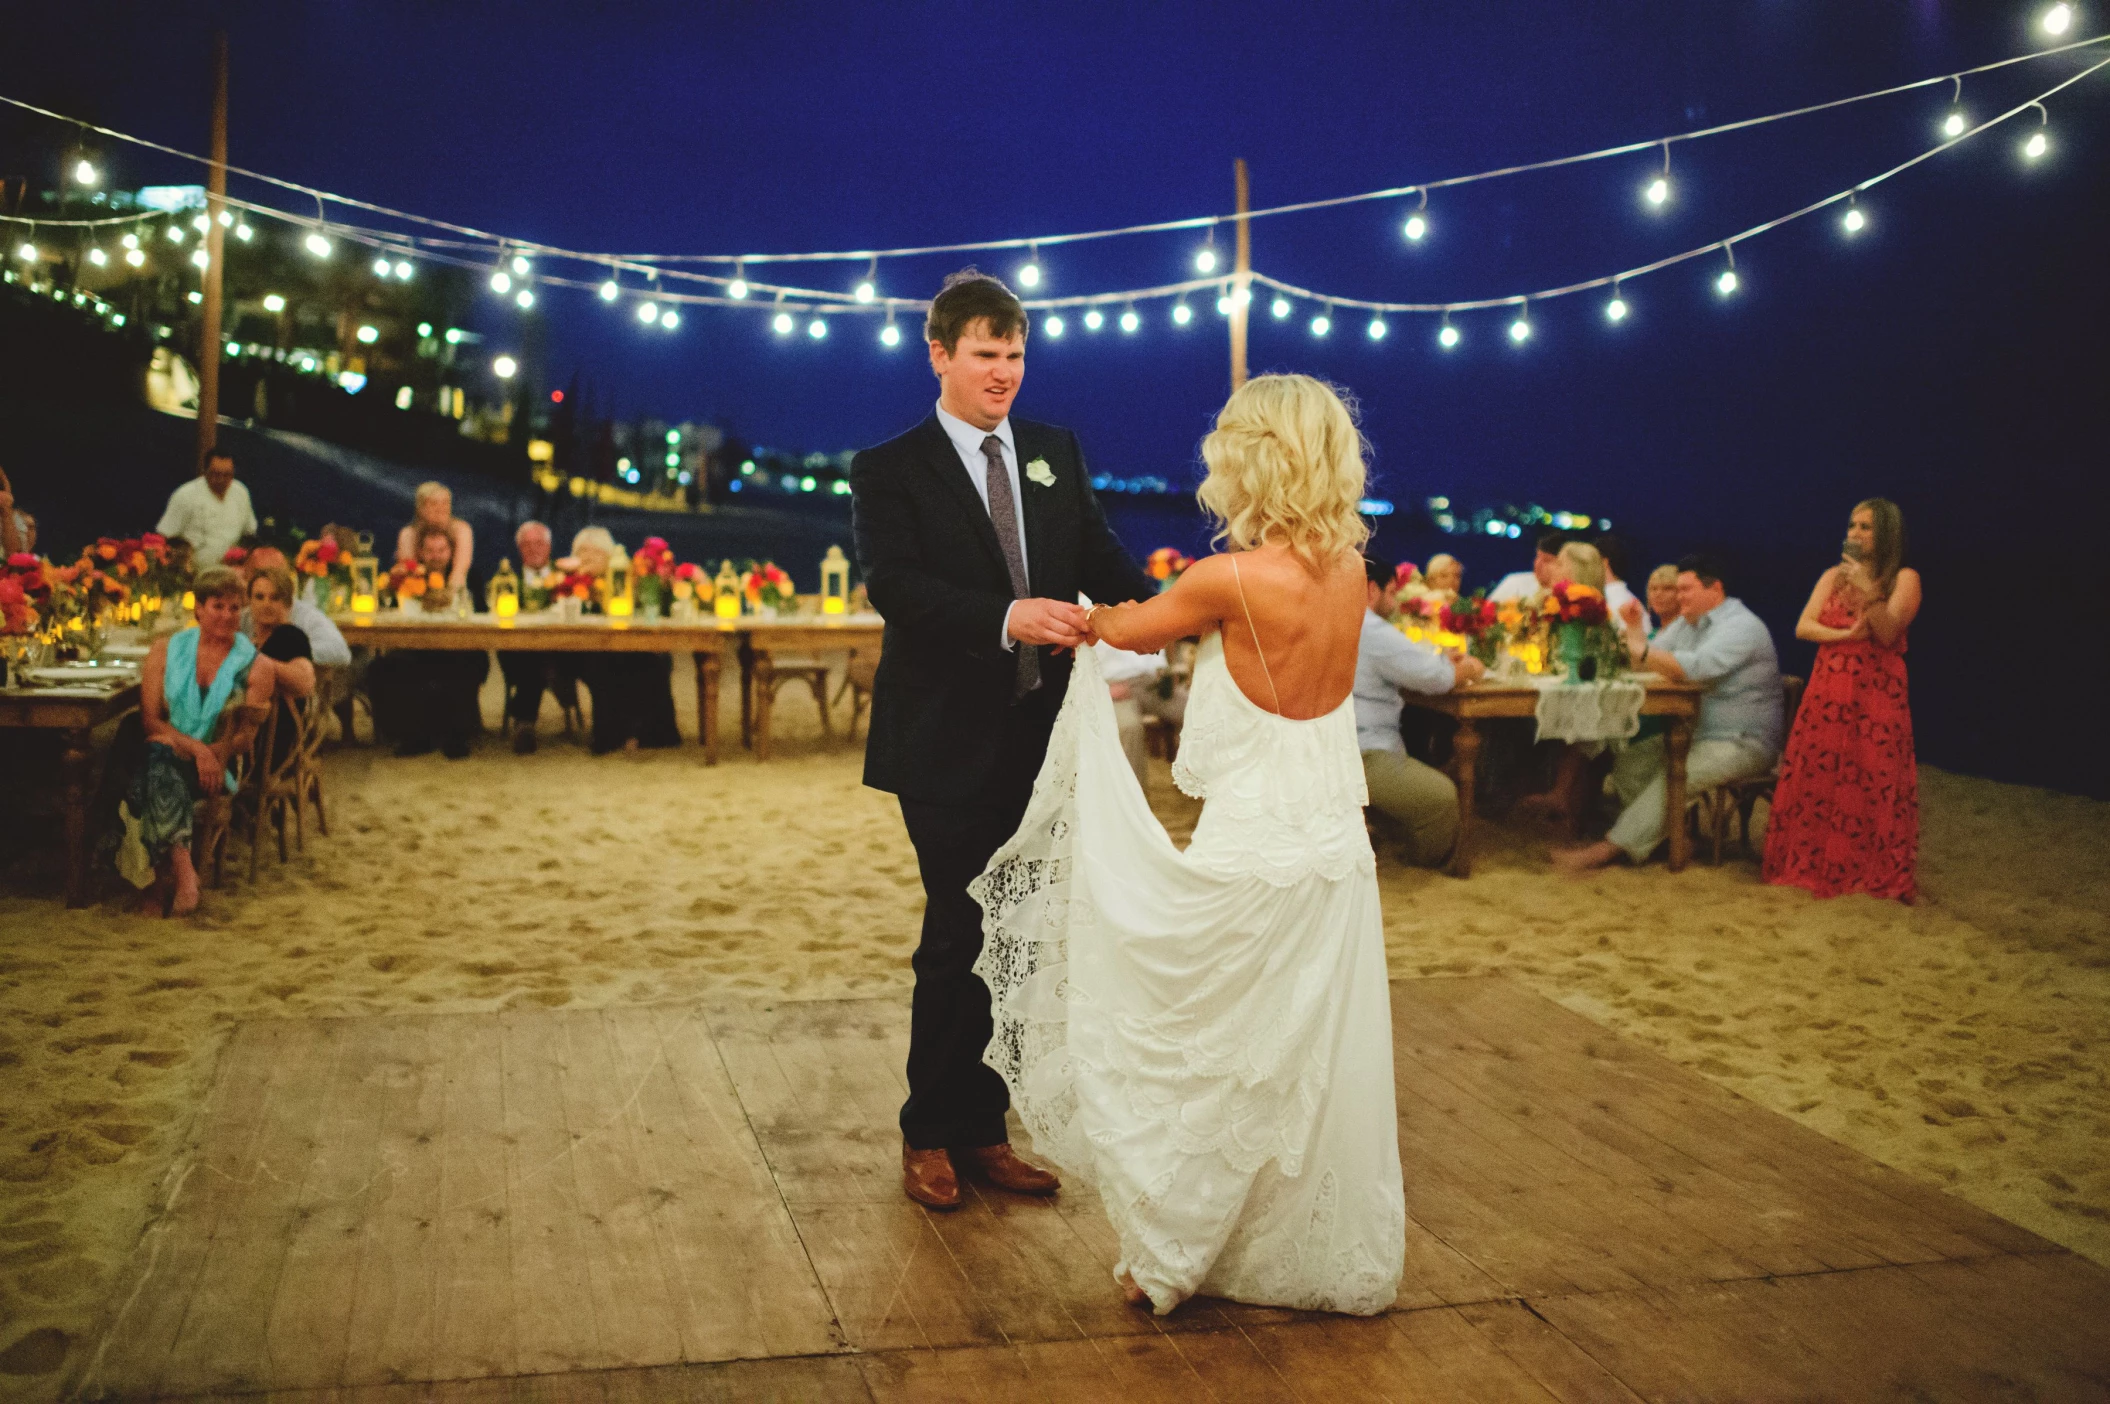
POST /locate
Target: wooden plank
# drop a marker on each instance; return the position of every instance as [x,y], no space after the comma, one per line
[1135,1369]
[970,1375]
[222,1344]
[307,1332]
[632,1297]
[553,1301]
[204,1188]
[1567,1372]
[1231,1368]
[474,1330]
[891,1279]
[795,1380]
[743,1284]
[393,1307]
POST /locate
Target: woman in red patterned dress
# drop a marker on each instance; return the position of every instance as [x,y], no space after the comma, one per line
[1846,811]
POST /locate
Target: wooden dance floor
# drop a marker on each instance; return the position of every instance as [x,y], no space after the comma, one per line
[703,1203]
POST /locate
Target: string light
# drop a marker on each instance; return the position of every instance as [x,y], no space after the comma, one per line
[27,252]
[1727,283]
[1952,126]
[817,328]
[648,313]
[1377,329]
[201,258]
[84,172]
[1520,329]
[869,288]
[403,270]
[1029,272]
[1094,319]
[520,265]
[669,319]
[226,219]
[2057,20]
[782,324]
[174,234]
[1321,324]
[1616,309]
[738,287]
[98,257]
[501,282]
[890,335]
[244,232]
[1853,221]
[381,268]
[201,224]
[1447,335]
[1205,260]
[1130,321]
[369,335]
[611,290]
[130,241]
[317,245]
[135,257]
[1052,326]
[2036,146]
[1223,305]
[1417,226]
[1280,307]
[524,299]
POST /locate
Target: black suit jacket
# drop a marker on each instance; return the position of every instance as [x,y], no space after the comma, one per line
[944,728]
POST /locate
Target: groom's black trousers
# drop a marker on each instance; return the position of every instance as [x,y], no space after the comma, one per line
[954,1098]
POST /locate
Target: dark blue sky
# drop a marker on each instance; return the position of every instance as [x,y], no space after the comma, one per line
[1952,356]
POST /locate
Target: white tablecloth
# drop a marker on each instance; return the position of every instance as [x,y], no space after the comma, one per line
[1592,711]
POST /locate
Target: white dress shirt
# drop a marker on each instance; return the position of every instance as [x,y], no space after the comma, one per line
[210,524]
[967,442]
[1517,585]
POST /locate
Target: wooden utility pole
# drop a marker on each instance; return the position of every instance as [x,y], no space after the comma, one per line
[215,252]
[1241,281]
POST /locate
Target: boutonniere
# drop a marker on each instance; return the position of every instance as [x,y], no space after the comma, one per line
[1039,471]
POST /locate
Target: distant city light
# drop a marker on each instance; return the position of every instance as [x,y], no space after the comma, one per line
[1374,507]
[890,335]
[85,172]
[369,335]
[1094,319]
[454,336]
[504,367]
[1052,326]
[352,381]
[274,303]
[405,397]
[424,330]
[1205,261]
[1447,337]
[610,291]
[648,312]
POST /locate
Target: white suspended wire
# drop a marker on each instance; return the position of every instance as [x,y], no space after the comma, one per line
[1194,222]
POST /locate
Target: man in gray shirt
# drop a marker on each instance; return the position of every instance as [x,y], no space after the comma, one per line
[1717,642]
[1417,797]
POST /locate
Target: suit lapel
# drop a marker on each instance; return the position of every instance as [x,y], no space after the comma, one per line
[944,461]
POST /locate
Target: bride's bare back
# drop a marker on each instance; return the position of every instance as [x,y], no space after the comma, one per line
[1309,624]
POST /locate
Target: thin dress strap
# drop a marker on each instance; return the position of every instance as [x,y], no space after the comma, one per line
[1257,651]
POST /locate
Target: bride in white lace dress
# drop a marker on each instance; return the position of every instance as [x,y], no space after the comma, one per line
[1205,1037]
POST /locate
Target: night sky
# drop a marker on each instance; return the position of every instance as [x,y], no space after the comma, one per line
[1951,356]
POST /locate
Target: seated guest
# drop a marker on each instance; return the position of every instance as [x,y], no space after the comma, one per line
[1444,575]
[528,674]
[268,623]
[1846,814]
[1616,590]
[18,534]
[1137,684]
[1719,643]
[325,639]
[1523,584]
[426,698]
[633,693]
[1577,563]
[188,680]
[1662,599]
[435,508]
[1419,798]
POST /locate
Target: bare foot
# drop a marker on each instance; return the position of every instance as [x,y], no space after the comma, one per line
[1590,856]
[186,875]
[1545,807]
[1135,1296]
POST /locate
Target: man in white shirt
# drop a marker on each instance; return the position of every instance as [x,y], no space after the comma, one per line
[1419,798]
[211,511]
[1523,584]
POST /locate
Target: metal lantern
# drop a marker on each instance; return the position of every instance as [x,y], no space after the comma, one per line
[620,601]
[725,602]
[835,582]
[365,576]
[503,593]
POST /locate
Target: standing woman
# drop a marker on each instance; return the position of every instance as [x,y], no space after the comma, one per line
[435,508]
[1846,814]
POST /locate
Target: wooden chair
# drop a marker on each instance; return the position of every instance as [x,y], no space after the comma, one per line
[810,669]
[560,686]
[214,816]
[858,679]
[1739,798]
[271,788]
[308,779]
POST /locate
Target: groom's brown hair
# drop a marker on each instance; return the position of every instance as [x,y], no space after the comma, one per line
[971,296]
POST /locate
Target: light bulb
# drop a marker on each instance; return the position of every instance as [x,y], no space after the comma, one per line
[27,252]
[890,335]
[403,270]
[610,291]
[816,329]
[201,224]
[1182,314]
[782,324]
[1130,321]
[1029,276]
[454,336]
[381,268]
[1321,324]
[85,172]
[318,246]
[201,258]
[234,348]
[1377,329]
[520,265]
[1615,310]
[369,335]
[1520,329]
[500,283]
[135,257]
[274,303]
[866,292]
[1280,308]
[1447,337]
[2058,19]
[194,297]
[1052,326]
[1854,221]
[244,233]
[175,234]
[131,241]
[226,219]
[1094,319]
[524,299]
[98,257]
[670,319]
[1658,191]
[648,312]
[1205,261]
[2036,146]
[1415,227]
[736,288]
[1953,125]
[504,367]
[1726,284]
[1223,305]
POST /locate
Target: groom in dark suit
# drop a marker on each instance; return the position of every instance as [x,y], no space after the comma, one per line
[975,532]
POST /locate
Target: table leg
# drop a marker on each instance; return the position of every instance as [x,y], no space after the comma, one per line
[76,766]
[707,704]
[764,688]
[747,693]
[1678,743]
[1465,756]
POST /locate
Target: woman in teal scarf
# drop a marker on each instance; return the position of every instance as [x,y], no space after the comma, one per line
[188,682]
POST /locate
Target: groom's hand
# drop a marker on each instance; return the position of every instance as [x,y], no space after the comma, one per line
[1047,622]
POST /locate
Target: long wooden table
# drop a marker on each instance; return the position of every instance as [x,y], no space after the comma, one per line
[1678,702]
[755,639]
[75,713]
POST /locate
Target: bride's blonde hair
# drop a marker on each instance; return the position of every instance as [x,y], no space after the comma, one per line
[1287,462]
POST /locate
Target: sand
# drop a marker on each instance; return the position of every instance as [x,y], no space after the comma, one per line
[1963,1041]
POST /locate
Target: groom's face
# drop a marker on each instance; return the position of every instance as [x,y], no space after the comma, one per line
[979,378]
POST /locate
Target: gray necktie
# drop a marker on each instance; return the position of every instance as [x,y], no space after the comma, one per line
[1003,512]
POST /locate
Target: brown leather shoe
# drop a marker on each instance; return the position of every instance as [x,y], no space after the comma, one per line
[999,1165]
[928,1177]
